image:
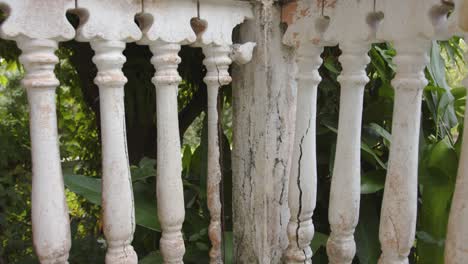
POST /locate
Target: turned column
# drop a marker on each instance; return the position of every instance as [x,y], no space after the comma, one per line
[118,210]
[217,64]
[50,221]
[412,43]
[216,40]
[28,24]
[166,26]
[399,207]
[352,25]
[108,25]
[345,189]
[303,175]
[170,195]
[456,245]
[306,35]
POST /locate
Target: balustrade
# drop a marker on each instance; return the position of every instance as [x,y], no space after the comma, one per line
[165,25]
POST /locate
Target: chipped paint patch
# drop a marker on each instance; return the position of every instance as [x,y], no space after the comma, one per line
[288,13]
[326,3]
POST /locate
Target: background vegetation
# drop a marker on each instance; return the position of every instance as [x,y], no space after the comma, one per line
[78,111]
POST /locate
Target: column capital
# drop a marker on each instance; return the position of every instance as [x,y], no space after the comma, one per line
[353,22]
[108,20]
[308,24]
[37,19]
[168,21]
[408,20]
[220,18]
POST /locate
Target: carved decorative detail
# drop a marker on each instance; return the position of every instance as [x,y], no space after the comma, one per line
[415,16]
[170,195]
[217,64]
[242,53]
[108,25]
[352,21]
[38,19]
[221,17]
[309,25]
[303,176]
[109,20]
[168,21]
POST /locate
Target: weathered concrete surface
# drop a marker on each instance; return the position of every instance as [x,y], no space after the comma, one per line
[264,98]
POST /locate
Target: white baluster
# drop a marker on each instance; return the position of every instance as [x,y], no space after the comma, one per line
[345,189]
[51,227]
[216,41]
[170,195]
[117,194]
[305,34]
[38,42]
[412,43]
[217,64]
[303,177]
[349,26]
[399,207]
[108,25]
[456,245]
[168,29]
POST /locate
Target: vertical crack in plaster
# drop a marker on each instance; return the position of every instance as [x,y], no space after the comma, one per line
[300,188]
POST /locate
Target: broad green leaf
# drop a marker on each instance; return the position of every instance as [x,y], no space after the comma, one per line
[186,159]
[146,169]
[367,231]
[373,181]
[382,132]
[145,204]
[437,67]
[442,161]
[319,240]
[437,179]
[228,248]
[3,80]
[146,212]
[88,187]
[369,150]
[329,63]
